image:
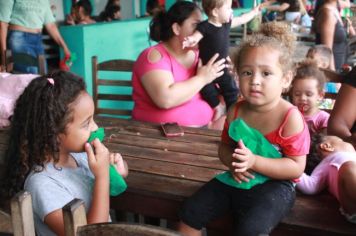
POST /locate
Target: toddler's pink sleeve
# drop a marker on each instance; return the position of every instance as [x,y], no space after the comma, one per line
[314,183]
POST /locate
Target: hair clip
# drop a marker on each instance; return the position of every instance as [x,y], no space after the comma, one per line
[50,80]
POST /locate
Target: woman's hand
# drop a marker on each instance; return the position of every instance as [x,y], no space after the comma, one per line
[211,70]
[98,161]
[119,163]
[245,159]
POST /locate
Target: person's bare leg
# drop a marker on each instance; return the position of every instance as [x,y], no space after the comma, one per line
[347,186]
[187,230]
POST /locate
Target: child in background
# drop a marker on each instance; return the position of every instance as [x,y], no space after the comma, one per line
[82,13]
[336,171]
[307,92]
[49,156]
[265,68]
[213,37]
[323,55]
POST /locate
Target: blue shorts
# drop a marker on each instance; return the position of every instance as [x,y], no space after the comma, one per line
[255,211]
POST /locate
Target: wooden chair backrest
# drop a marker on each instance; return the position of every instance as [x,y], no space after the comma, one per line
[5,223]
[118,65]
[24,59]
[22,214]
[75,224]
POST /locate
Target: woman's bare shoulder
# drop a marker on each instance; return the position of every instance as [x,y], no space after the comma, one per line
[154,55]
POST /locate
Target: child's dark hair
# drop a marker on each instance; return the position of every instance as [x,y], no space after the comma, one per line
[323,50]
[152,7]
[308,69]
[109,13]
[276,35]
[161,23]
[313,158]
[86,5]
[210,5]
[41,113]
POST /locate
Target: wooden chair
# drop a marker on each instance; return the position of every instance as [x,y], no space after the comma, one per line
[75,224]
[24,59]
[20,222]
[118,65]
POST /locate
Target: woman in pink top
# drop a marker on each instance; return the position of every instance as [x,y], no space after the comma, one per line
[167,78]
[336,171]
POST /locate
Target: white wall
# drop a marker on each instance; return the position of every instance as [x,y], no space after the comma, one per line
[58,9]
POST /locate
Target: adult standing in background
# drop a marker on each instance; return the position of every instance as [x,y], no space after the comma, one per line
[330,31]
[21,25]
[291,9]
[166,78]
[342,121]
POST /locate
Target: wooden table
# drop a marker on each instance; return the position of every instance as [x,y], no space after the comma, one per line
[165,171]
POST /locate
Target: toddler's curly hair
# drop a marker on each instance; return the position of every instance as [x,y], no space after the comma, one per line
[276,35]
[308,68]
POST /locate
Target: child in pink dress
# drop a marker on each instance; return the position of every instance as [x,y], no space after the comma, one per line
[307,91]
[336,171]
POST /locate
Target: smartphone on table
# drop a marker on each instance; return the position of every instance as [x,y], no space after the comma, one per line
[172,129]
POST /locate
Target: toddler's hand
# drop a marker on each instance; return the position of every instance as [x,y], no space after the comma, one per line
[189,42]
[98,161]
[212,70]
[242,176]
[245,159]
[119,163]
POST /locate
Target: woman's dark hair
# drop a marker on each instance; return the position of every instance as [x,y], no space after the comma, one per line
[109,13]
[88,9]
[41,113]
[161,23]
[111,3]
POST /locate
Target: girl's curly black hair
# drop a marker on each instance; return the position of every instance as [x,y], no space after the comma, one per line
[41,113]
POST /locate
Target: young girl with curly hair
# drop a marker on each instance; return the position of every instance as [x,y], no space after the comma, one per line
[307,92]
[49,156]
[264,66]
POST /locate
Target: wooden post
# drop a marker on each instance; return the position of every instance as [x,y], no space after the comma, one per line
[22,214]
[74,216]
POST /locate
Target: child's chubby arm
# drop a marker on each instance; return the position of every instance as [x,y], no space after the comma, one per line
[119,163]
[312,184]
[192,40]
[286,168]
[99,165]
[244,18]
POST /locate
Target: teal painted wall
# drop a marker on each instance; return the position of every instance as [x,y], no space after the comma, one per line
[116,40]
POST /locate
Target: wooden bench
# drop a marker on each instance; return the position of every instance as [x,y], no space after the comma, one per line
[165,171]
